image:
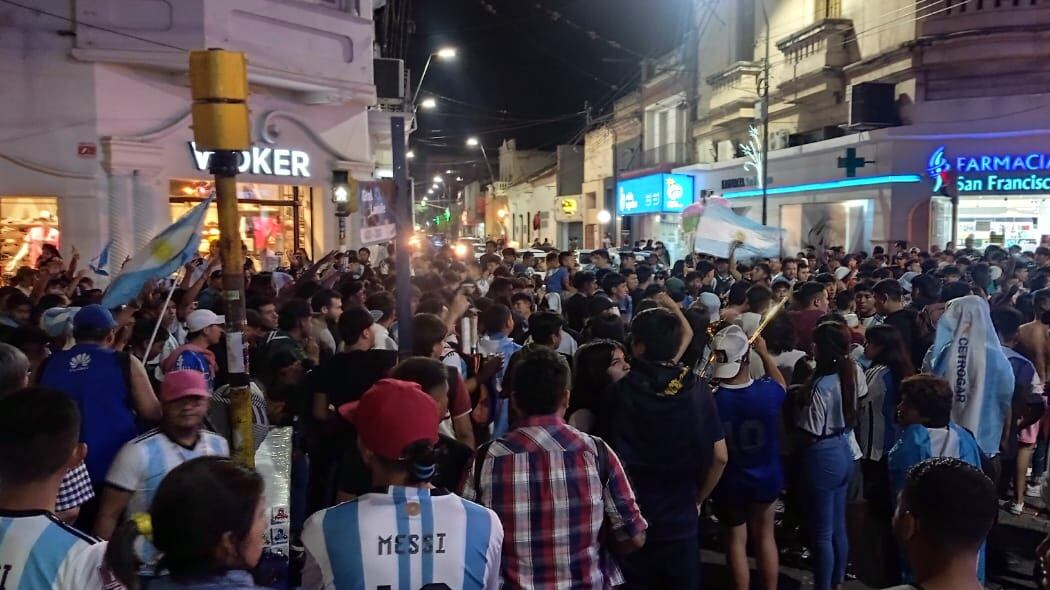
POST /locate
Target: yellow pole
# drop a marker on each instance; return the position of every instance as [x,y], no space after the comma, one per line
[219,83]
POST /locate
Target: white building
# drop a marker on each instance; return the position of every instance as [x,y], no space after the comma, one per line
[859,165]
[95,137]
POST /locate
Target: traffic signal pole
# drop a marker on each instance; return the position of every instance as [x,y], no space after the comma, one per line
[219,82]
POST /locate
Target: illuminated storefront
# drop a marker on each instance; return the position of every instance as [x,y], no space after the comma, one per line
[1003,195]
[275,219]
[26,224]
[651,206]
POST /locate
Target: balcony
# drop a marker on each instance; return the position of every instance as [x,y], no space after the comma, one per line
[320,50]
[671,153]
[733,94]
[954,16]
[814,58]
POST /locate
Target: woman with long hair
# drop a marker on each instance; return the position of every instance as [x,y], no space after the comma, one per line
[877,429]
[596,366]
[877,432]
[825,419]
[207,522]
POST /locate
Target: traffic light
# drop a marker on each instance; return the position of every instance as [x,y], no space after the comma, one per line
[219,85]
[345,193]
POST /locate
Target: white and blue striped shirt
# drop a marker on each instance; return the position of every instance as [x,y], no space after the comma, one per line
[40,552]
[403,540]
[143,463]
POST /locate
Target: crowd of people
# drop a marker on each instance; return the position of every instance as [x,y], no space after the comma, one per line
[555,425]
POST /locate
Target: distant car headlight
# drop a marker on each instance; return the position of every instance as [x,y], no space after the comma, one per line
[460,250]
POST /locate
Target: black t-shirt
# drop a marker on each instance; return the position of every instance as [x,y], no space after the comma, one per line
[454,458]
[577,310]
[907,323]
[664,436]
[348,375]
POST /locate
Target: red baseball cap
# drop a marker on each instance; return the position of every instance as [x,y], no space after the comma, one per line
[391,416]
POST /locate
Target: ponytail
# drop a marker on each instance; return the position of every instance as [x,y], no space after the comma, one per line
[848,387]
[121,558]
[421,458]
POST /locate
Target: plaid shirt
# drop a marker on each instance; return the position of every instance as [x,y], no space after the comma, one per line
[75,489]
[543,481]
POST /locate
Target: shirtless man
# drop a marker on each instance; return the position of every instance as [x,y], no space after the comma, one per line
[1034,337]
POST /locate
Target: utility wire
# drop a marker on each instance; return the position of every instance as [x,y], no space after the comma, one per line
[96,27]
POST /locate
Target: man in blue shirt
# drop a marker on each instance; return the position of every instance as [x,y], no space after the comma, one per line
[751,412]
[205,330]
[497,323]
[111,389]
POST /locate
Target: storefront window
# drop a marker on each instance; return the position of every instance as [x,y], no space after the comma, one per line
[27,224]
[275,219]
[1005,222]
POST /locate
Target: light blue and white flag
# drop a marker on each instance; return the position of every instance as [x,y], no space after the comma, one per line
[719,227]
[966,351]
[100,264]
[163,255]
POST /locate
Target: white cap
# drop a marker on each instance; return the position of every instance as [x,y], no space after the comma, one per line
[995,272]
[202,318]
[842,272]
[712,304]
[906,280]
[733,343]
[749,321]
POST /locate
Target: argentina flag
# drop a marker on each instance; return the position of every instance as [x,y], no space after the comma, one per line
[163,255]
[719,227]
[967,353]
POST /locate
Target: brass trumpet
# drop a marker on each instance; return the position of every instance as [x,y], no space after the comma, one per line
[715,327]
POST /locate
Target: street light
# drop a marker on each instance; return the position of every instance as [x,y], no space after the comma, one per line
[604,217]
[445,53]
[450,171]
[428,103]
[438,179]
[434,188]
[474,142]
[410,154]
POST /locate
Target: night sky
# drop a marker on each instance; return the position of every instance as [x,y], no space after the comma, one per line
[522,74]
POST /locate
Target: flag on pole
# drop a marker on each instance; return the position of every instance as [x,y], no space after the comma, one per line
[719,227]
[163,255]
[100,264]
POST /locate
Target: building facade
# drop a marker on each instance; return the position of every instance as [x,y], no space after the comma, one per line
[96,144]
[879,114]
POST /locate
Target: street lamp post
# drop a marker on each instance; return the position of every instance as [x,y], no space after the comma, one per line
[445,53]
[473,142]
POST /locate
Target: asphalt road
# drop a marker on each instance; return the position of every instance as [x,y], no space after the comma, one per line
[1017,535]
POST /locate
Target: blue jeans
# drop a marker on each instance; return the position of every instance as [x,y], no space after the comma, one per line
[826,469]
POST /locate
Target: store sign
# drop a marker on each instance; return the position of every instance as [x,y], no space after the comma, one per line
[567,209]
[264,161]
[656,193]
[990,173]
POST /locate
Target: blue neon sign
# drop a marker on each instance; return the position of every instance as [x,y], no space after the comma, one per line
[656,193]
[824,186]
[997,173]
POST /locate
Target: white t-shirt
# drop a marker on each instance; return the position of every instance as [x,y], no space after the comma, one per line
[824,416]
[39,551]
[372,541]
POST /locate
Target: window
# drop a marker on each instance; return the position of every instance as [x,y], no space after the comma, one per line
[828,9]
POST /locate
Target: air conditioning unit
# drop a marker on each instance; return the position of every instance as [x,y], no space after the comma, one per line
[390,79]
[873,105]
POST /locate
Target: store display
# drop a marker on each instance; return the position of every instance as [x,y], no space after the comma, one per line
[28,224]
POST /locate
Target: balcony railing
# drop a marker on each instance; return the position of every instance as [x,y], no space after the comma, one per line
[670,153]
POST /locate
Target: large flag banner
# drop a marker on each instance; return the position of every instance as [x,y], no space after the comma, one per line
[163,255]
[719,227]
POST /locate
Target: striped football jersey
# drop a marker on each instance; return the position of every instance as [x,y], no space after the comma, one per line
[405,539]
[40,552]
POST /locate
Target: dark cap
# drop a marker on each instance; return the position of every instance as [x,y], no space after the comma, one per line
[353,322]
[94,317]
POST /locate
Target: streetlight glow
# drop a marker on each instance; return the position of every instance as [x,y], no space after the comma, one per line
[473,142]
[428,103]
[446,53]
[438,179]
[434,188]
[450,171]
[459,179]
[410,154]
[604,217]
